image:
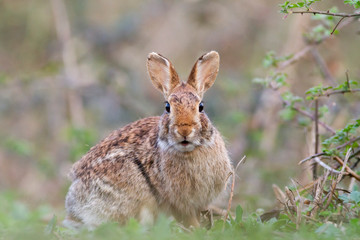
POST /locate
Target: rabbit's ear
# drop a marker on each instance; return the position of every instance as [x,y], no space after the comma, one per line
[162,73]
[204,72]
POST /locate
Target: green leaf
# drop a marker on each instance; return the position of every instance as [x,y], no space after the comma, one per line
[355,197]
[51,225]
[317,90]
[280,79]
[239,214]
[352,82]
[288,96]
[287,114]
[325,213]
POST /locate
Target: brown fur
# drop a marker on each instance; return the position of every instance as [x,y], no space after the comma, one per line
[145,167]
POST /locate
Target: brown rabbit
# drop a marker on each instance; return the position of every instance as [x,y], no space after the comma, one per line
[176,163]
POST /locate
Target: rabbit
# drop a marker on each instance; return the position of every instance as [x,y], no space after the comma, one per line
[175,164]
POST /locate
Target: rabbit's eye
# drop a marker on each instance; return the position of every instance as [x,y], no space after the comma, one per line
[201,107]
[167,107]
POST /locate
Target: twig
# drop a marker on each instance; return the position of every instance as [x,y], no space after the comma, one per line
[290,196]
[280,195]
[338,23]
[334,183]
[328,13]
[308,186]
[337,148]
[348,169]
[356,152]
[317,198]
[324,165]
[347,79]
[316,136]
[333,186]
[311,157]
[311,219]
[299,208]
[327,94]
[347,143]
[309,115]
[232,190]
[344,165]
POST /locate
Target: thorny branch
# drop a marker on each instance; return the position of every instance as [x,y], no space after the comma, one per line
[337,148]
[327,94]
[342,15]
[357,14]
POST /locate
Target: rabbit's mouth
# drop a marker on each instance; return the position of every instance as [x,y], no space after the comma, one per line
[185,146]
[185,143]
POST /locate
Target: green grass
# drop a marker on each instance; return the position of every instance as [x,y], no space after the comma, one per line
[18,221]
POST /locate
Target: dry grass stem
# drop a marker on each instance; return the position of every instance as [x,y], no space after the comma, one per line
[290,197]
[279,194]
[298,208]
[232,189]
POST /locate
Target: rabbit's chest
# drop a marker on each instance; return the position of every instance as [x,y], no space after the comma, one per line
[196,182]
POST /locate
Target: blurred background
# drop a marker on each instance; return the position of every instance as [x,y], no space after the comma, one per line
[73,71]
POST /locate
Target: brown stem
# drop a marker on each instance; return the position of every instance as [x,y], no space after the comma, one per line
[338,23]
[309,115]
[327,94]
[328,13]
[333,186]
[348,169]
[347,79]
[347,143]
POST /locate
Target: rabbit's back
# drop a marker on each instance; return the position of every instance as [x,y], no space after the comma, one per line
[122,147]
[113,181]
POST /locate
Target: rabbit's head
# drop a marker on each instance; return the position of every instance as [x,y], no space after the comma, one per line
[184,124]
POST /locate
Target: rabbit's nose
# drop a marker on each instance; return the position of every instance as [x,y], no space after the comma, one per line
[184,131]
